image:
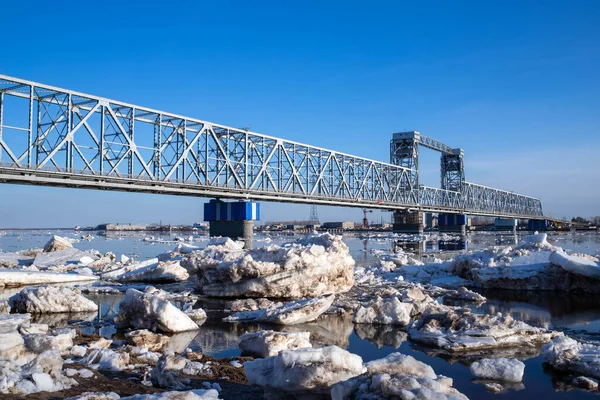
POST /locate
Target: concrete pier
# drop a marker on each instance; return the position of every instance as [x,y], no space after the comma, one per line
[505,224]
[452,223]
[540,225]
[232,229]
[408,222]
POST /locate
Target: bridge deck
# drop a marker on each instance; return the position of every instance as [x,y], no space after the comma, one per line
[57,137]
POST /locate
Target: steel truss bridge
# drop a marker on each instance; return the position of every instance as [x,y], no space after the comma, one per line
[58,137]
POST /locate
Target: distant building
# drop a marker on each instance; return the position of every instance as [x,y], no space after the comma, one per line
[293,227]
[200,226]
[338,225]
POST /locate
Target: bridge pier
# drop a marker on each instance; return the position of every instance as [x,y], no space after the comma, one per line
[540,225]
[455,223]
[231,219]
[505,224]
[408,222]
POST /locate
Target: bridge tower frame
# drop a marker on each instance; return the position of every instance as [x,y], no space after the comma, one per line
[453,170]
[404,151]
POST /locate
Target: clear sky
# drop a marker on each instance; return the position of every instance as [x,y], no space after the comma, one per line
[516,84]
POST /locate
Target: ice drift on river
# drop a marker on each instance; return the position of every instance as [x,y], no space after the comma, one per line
[16,278]
[457,329]
[534,264]
[42,374]
[303,371]
[155,271]
[567,354]
[388,311]
[50,299]
[70,256]
[294,312]
[500,369]
[153,312]
[57,243]
[316,265]
[397,376]
[577,264]
[270,343]
[196,394]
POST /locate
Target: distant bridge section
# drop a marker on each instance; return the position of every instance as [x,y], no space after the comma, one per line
[58,137]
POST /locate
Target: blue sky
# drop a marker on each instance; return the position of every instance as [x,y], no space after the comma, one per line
[514,83]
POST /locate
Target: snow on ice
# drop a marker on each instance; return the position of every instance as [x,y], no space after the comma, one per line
[316,265]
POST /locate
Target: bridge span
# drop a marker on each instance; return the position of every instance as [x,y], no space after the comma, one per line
[58,137]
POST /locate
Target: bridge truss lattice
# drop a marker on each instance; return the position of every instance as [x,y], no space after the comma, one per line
[58,137]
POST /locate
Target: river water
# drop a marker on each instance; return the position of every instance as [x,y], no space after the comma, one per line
[576,315]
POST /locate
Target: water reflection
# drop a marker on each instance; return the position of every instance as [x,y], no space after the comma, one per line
[61,320]
[381,335]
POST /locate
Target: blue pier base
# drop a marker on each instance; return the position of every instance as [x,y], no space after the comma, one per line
[231,219]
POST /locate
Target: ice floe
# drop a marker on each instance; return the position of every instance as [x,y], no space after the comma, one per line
[389,311]
[151,311]
[577,264]
[500,369]
[315,265]
[50,299]
[294,312]
[57,243]
[567,354]
[304,371]
[270,343]
[397,376]
[17,278]
[456,329]
[155,271]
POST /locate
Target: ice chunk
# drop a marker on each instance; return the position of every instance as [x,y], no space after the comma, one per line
[10,260]
[500,369]
[40,342]
[579,265]
[397,376]
[57,243]
[10,341]
[11,322]
[148,340]
[294,312]
[585,383]
[10,278]
[151,311]
[164,271]
[567,354]
[96,396]
[388,311]
[303,371]
[316,265]
[197,315]
[69,256]
[51,299]
[402,364]
[106,359]
[185,248]
[536,240]
[270,343]
[196,394]
[457,329]
[113,274]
